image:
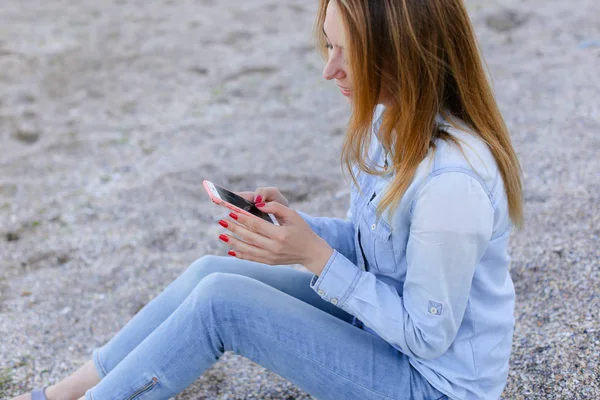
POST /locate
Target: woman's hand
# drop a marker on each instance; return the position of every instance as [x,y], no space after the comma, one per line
[293,242]
[264,195]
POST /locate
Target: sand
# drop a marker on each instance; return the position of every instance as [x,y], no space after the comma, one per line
[112,114]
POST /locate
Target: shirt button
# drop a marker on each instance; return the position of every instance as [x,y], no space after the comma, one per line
[373,226]
[334,301]
[321,292]
[433,310]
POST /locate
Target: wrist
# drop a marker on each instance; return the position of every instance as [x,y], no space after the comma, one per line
[319,257]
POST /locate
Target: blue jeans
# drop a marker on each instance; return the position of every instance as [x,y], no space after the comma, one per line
[267,314]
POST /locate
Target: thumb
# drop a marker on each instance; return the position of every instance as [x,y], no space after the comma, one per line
[265,194]
[277,209]
[246,195]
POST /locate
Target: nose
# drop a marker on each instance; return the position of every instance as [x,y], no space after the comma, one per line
[334,69]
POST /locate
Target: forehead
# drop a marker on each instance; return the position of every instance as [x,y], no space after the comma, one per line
[333,23]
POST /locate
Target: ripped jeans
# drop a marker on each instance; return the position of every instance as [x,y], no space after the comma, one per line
[267,314]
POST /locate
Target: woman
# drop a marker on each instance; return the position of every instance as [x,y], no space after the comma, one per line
[410,296]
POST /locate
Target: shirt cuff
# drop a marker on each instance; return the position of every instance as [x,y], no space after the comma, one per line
[337,281]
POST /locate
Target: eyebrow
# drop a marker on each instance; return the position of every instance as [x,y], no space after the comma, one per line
[327,37]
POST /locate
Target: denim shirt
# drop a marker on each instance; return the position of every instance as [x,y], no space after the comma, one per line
[436,282]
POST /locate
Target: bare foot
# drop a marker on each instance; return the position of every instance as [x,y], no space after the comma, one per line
[71,388]
[28,397]
[22,397]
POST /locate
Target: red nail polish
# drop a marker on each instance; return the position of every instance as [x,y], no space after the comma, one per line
[224,238]
[258,199]
[234,216]
[260,204]
[231,253]
[224,224]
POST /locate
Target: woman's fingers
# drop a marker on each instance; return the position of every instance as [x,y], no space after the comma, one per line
[263,194]
[251,234]
[246,195]
[246,245]
[249,257]
[244,251]
[267,194]
[259,195]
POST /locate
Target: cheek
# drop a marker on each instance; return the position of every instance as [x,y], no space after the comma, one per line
[349,76]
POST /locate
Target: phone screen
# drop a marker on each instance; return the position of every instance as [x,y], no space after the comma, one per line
[242,203]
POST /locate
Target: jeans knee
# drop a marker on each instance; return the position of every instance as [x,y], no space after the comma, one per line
[217,284]
[218,294]
[222,304]
[204,266]
[221,289]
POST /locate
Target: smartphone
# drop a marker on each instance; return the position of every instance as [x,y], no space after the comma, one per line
[223,197]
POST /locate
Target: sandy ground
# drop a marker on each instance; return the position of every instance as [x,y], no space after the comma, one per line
[112,114]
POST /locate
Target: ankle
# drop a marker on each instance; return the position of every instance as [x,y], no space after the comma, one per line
[55,392]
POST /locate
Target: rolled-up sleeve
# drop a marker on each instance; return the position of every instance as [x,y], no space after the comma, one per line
[338,279]
[451,226]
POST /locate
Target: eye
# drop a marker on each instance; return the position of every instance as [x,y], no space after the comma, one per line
[328,46]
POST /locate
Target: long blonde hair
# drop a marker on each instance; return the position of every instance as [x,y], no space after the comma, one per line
[425,56]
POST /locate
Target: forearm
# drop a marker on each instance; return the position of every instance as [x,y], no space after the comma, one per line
[337,232]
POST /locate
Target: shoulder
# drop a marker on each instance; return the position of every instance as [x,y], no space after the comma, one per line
[376,123]
[378,115]
[460,168]
[467,154]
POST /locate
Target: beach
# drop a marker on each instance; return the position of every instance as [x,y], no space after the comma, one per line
[113,113]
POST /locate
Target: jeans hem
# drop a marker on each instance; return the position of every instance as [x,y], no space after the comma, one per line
[98,364]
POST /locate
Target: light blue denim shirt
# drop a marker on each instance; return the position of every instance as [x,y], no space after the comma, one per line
[436,284]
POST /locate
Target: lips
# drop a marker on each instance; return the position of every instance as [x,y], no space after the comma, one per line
[345,91]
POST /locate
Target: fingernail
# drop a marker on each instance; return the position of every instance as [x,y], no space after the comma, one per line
[234,216]
[260,205]
[224,238]
[258,199]
[231,253]
[224,224]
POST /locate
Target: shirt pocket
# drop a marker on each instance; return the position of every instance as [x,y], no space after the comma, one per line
[377,241]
